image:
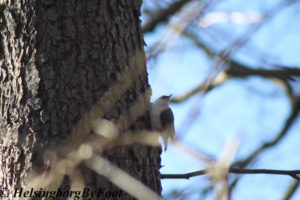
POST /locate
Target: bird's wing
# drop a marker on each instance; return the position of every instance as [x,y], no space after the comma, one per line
[167,120]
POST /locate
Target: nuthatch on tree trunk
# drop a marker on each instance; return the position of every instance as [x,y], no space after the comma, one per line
[162,118]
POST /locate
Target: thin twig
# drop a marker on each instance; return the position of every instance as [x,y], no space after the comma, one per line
[292,173]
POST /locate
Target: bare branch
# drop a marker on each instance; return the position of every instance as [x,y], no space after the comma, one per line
[162,15]
[202,87]
[282,133]
[292,173]
[238,70]
[291,190]
[121,178]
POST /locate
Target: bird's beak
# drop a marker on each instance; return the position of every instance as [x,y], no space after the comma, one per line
[170,96]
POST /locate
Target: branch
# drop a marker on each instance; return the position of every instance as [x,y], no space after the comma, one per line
[162,15]
[292,173]
[294,113]
[202,87]
[237,70]
[291,190]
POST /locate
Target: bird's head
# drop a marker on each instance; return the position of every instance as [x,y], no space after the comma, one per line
[163,101]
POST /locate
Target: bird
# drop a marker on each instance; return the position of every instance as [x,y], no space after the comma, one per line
[162,119]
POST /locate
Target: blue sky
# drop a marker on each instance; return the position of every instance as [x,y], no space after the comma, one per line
[253,109]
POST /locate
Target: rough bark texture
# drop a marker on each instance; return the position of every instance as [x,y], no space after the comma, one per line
[57,58]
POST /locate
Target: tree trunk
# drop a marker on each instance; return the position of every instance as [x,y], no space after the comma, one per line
[64,64]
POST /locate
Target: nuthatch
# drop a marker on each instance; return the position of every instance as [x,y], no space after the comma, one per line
[162,118]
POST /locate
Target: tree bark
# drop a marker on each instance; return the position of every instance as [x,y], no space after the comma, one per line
[64,64]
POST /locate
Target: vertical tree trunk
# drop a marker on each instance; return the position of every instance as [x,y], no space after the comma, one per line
[58,59]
